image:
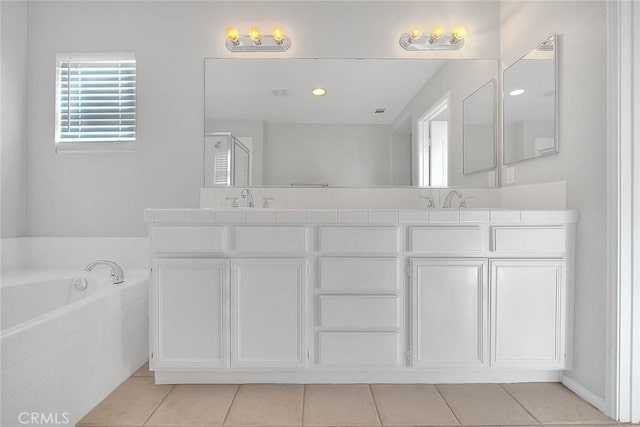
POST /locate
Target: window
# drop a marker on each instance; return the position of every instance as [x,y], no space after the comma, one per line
[95,102]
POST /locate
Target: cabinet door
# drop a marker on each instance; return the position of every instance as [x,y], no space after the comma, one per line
[449,313]
[191,299]
[268,312]
[528,314]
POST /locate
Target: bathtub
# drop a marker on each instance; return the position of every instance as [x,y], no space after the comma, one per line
[67,340]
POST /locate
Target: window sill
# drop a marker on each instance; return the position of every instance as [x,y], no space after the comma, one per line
[95,147]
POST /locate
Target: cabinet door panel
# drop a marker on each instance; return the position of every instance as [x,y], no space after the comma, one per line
[528,314]
[449,312]
[191,298]
[268,312]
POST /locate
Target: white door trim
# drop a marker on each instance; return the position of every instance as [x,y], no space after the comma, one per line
[622,394]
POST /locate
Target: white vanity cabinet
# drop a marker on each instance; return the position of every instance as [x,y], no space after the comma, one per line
[449,313]
[360,296]
[528,313]
[190,299]
[268,316]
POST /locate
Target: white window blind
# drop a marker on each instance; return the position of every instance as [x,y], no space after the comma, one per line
[96,98]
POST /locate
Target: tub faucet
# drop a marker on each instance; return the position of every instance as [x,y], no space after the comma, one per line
[116,270]
[449,198]
[246,194]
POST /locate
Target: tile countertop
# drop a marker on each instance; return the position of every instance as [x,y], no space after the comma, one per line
[357,216]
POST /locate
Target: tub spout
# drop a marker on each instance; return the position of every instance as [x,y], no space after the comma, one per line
[116,270]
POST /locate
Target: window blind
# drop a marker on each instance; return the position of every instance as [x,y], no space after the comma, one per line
[96,98]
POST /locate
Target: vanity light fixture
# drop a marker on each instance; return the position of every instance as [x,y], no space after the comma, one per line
[319,91]
[255,41]
[516,92]
[436,40]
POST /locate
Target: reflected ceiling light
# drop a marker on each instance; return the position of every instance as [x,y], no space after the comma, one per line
[436,40]
[255,41]
[516,92]
[319,91]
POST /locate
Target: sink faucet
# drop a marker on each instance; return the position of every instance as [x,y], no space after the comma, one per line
[116,270]
[246,194]
[449,198]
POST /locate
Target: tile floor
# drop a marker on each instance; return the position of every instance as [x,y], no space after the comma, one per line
[138,402]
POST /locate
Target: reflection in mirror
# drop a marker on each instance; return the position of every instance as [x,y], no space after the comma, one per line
[530,105]
[377,124]
[479,111]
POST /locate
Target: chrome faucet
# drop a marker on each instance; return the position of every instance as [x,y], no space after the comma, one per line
[449,198]
[246,194]
[116,270]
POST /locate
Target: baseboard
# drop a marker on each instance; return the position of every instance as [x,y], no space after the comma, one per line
[585,394]
[457,376]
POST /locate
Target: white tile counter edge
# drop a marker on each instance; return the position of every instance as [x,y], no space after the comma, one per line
[357,216]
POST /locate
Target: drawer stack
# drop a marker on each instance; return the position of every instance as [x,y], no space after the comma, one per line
[358,319]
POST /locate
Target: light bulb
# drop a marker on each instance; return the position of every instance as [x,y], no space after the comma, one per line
[254,34]
[415,33]
[278,34]
[319,91]
[459,33]
[436,33]
[516,92]
[232,34]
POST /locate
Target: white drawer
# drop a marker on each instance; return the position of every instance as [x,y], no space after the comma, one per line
[529,239]
[356,274]
[358,348]
[446,240]
[358,311]
[188,239]
[362,240]
[271,239]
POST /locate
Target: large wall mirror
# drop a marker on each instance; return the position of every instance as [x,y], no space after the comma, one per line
[530,104]
[479,115]
[371,122]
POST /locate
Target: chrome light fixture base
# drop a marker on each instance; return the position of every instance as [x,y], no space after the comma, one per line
[428,42]
[266,44]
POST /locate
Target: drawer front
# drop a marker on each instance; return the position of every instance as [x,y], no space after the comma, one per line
[188,239]
[361,240]
[358,311]
[356,274]
[270,239]
[446,240]
[358,348]
[529,239]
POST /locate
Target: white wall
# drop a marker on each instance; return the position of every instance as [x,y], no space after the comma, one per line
[582,158]
[13,117]
[334,154]
[104,195]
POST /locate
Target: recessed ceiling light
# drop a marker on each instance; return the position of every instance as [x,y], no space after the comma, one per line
[319,91]
[516,92]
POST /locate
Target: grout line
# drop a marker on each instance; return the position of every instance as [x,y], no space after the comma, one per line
[231,404]
[448,405]
[159,404]
[304,396]
[519,404]
[375,405]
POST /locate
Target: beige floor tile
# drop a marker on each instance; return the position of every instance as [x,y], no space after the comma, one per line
[484,404]
[143,371]
[553,403]
[129,405]
[194,405]
[411,405]
[339,405]
[267,405]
